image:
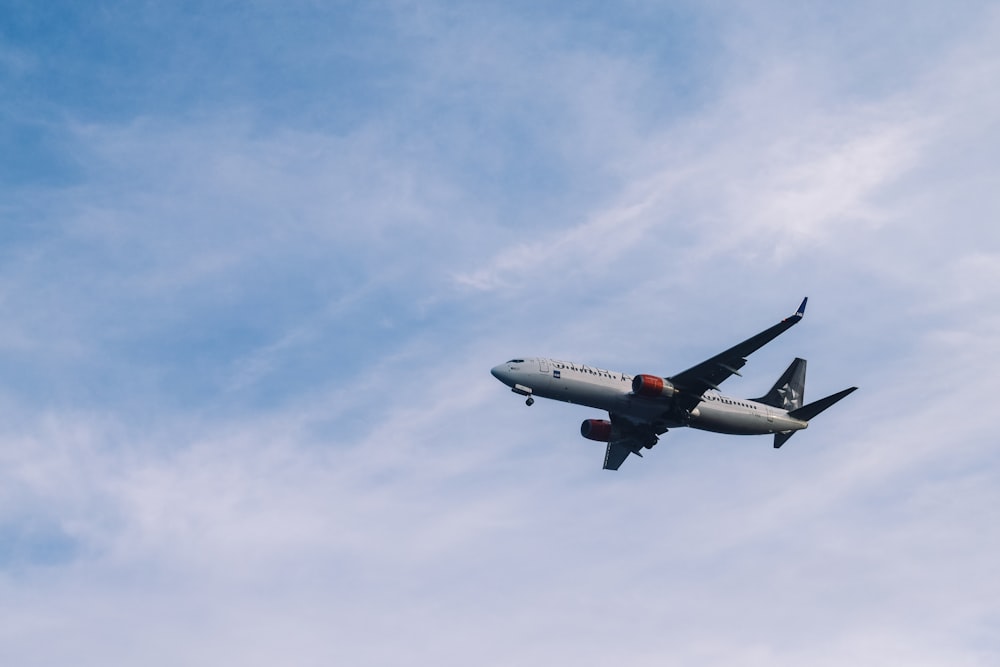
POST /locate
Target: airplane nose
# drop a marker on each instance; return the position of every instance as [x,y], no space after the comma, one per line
[499,372]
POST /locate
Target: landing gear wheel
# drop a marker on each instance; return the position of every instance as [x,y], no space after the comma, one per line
[529,402]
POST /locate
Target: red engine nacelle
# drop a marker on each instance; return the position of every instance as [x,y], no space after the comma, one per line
[596,429]
[652,386]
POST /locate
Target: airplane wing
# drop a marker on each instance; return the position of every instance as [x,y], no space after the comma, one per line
[627,438]
[616,453]
[709,374]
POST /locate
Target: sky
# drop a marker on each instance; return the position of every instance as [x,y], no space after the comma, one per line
[257,259]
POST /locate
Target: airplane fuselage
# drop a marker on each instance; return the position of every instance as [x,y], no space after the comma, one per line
[612,391]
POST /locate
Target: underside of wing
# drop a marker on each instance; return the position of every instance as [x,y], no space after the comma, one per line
[627,437]
[616,453]
[710,373]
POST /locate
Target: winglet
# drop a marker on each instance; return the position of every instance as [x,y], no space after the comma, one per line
[798,313]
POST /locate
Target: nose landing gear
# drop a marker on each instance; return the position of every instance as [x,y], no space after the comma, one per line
[524,391]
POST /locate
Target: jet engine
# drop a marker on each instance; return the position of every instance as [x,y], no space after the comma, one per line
[652,386]
[596,429]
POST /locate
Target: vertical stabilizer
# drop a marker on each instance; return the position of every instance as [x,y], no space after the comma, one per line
[788,392]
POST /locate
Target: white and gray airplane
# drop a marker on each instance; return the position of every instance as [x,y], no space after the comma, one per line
[644,407]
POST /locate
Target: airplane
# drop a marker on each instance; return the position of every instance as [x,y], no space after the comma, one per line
[643,407]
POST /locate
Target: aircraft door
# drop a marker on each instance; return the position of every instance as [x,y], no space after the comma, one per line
[770,414]
[543,365]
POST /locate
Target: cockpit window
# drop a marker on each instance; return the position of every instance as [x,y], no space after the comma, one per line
[516,361]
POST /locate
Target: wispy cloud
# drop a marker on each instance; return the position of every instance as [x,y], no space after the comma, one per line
[247,411]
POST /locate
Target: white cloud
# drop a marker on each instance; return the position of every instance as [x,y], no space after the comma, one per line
[404,507]
[595,244]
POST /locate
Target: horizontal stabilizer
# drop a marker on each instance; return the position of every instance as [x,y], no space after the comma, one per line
[807,412]
[782,438]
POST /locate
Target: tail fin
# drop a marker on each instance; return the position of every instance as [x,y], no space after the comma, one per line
[789,391]
[807,412]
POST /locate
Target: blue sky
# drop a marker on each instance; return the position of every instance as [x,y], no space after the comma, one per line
[256,260]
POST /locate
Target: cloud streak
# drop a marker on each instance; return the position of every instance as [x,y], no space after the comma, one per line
[247,412]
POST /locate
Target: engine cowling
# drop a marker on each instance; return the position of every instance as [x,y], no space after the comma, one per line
[652,386]
[596,429]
